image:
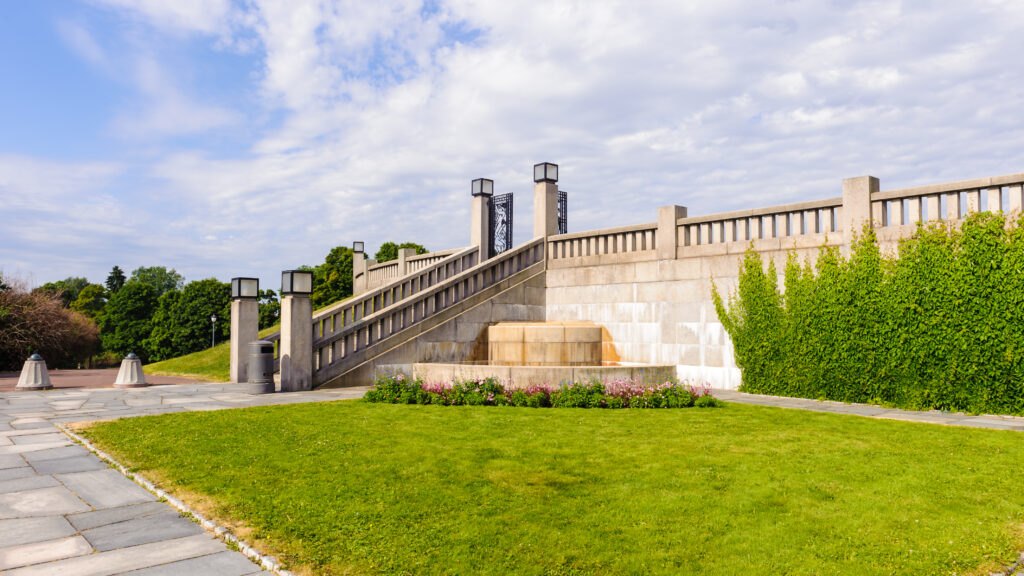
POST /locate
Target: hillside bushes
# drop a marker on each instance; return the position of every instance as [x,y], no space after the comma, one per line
[37,321]
[941,326]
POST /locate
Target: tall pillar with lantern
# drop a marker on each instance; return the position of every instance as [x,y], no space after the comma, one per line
[245,323]
[296,346]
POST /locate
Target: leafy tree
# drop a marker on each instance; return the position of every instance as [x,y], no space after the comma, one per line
[67,289]
[127,321]
[91,301]
[159,277]
[115,280]
[270,308]
[3,287]
[181,324]
[161,340]
[37,321]
[332,280]
[389,250]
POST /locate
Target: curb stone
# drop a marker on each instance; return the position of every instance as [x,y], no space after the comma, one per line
[265,561]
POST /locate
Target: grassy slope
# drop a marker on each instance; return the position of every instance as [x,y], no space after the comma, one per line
[210,364]
[350,487]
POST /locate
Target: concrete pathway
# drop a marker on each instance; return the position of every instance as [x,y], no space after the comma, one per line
[89,378]
[927,416]
[63,511]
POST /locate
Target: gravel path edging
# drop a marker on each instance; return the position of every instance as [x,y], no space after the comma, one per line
[263,560]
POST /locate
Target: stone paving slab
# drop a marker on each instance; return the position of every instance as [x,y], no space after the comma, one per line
[27,483]
[105,488]
[26,554]
[126,559]
[27,530]
[64,511]
[222,564]
[96,518]
[68,465]
[41,502]
[166,525]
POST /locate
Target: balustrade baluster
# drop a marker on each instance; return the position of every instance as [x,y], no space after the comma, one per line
[932,205]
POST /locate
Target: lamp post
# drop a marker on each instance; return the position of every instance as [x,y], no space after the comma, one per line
[213,330]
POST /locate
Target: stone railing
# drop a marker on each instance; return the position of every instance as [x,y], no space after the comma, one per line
[951,201]
[422,261]
[621,240]
[337,345]
[383,273]
[336,316]
[799,219]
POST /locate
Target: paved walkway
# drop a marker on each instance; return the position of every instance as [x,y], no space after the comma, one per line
[927,416]
[63,511]
[89,378]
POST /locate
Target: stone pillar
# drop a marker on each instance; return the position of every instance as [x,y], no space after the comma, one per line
[359,278]
[545,209]
[245,328]
[480,224]
[668,239]
[403,257]
[857,205]
[296,346]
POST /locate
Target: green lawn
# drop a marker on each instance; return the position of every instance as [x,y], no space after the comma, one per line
[355,488]
[210,364]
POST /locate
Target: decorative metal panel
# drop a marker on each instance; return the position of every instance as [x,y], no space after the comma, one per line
[501,223]
[563,213]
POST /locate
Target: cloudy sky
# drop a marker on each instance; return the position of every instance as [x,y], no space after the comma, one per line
[227,138]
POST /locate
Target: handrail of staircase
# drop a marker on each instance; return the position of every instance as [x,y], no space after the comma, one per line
[329,348]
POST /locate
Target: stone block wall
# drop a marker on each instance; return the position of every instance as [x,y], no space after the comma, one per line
[661,311]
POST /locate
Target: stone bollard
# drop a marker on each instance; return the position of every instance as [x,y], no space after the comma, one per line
[34,375]
[130,375]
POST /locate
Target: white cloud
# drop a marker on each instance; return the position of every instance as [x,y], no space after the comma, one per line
[206,16]
[81,41]
[384,111]
[165,109]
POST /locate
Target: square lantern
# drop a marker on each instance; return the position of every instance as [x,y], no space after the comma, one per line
[245,288]
[545,172]
[296,282]
[483,187]
[358,247]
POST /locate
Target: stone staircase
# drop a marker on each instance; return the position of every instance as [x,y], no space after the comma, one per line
[432,315]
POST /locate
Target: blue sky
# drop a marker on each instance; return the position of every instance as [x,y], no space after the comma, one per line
[228,138]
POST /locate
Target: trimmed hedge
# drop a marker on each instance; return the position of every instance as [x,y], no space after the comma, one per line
[397,389]
[941,326]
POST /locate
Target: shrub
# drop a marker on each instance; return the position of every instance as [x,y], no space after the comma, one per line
[398,389]
[37,321]
[938,326]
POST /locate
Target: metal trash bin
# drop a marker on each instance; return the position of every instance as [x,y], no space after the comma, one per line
[261,367]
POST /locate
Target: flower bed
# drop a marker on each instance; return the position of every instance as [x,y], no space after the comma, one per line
[397,389]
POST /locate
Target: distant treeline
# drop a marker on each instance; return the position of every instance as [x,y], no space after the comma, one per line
[152,312]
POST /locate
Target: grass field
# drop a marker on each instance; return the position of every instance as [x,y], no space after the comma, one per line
[355,488]
[211,364]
